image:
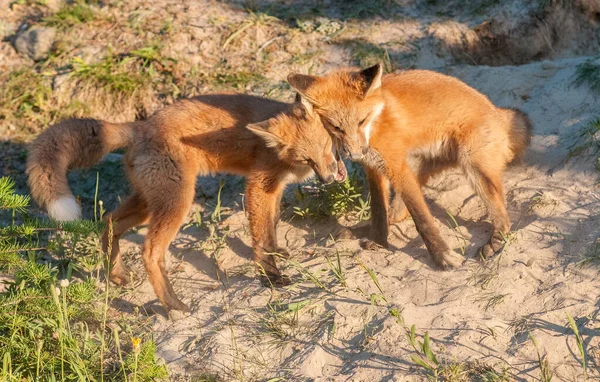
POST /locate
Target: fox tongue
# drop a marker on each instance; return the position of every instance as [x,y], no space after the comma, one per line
[342,174]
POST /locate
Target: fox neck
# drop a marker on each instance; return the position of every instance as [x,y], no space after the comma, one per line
[371,126]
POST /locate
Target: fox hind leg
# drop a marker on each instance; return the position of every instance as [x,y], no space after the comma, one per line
[131,213]
[487,182]
[172,198]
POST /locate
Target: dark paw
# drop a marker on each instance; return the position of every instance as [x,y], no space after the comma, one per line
[173,303]
[370,245]
[272,280]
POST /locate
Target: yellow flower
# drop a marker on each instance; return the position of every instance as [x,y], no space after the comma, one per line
[135,341]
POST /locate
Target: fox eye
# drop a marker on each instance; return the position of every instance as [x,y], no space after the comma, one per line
[363,121]
[337,128]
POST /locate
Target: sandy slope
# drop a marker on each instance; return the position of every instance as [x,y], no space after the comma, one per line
[477,313]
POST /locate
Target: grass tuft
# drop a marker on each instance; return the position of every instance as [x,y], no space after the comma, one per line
[69,15]
[589,73]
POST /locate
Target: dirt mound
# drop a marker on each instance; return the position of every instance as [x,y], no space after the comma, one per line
[558,29]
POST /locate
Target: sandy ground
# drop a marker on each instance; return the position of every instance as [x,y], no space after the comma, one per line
[321,328]
[480,312]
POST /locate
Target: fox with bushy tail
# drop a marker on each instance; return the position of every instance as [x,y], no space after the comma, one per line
[271,143]
[70,144]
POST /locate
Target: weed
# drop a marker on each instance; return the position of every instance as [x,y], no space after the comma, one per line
[592,255]
[255,21]
[491,300]
[317,200]
[589,73]
[69,15]
[373,277]
[588,141]
[25,98]
[543,364]
[580,345]
[110,74]
[52,324]
[365,53]
[337,270]
[459,235]
[424,356]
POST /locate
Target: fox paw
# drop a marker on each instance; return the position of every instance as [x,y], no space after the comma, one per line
[370,245]
[173,303]
[449,260]
[120,277]
[492,248]
[271,280]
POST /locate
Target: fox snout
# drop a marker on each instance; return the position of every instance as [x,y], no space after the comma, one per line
[328,176]
[356,155]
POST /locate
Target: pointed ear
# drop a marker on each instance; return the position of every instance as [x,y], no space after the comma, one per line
[372,78]
[307,106]
[301,82]
[264,131]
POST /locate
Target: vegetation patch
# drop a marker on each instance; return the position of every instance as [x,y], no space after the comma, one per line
[54,307]
[589,73]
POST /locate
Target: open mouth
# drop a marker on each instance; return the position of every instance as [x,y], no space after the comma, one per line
[342,173]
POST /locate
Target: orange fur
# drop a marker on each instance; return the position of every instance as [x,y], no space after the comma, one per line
[201,136]
[409,126]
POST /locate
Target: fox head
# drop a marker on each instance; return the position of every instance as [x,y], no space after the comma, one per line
[348,101]
[300,139]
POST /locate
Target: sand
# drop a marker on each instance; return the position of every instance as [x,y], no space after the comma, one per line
[478,314]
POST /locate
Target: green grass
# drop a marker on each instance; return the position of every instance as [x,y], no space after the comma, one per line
[546,374]
[580,343]
[25,96]
[111,74]
[69,15]
[53,323]
[319,201]
[364,53]
[589,73]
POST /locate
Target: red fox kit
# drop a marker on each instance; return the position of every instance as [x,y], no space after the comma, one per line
[165,154]
[409,126]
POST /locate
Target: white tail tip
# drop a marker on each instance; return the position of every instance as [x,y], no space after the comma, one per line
[64,209]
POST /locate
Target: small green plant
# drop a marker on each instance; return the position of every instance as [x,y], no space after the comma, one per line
[69,15]
[580,345]
[543,364]
[337,269]
[374,296]
[457,233]
[424,356]
[592,255]
[319,201]
[25,98]
[588,73]
[588,141]
[111,74]
[52,316]
[365,53]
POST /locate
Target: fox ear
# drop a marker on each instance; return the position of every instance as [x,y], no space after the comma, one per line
[301,82]
[264,130]
[305,104]
[372,78]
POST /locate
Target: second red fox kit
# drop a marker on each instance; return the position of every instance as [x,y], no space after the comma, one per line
[409,126]
[165,154]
